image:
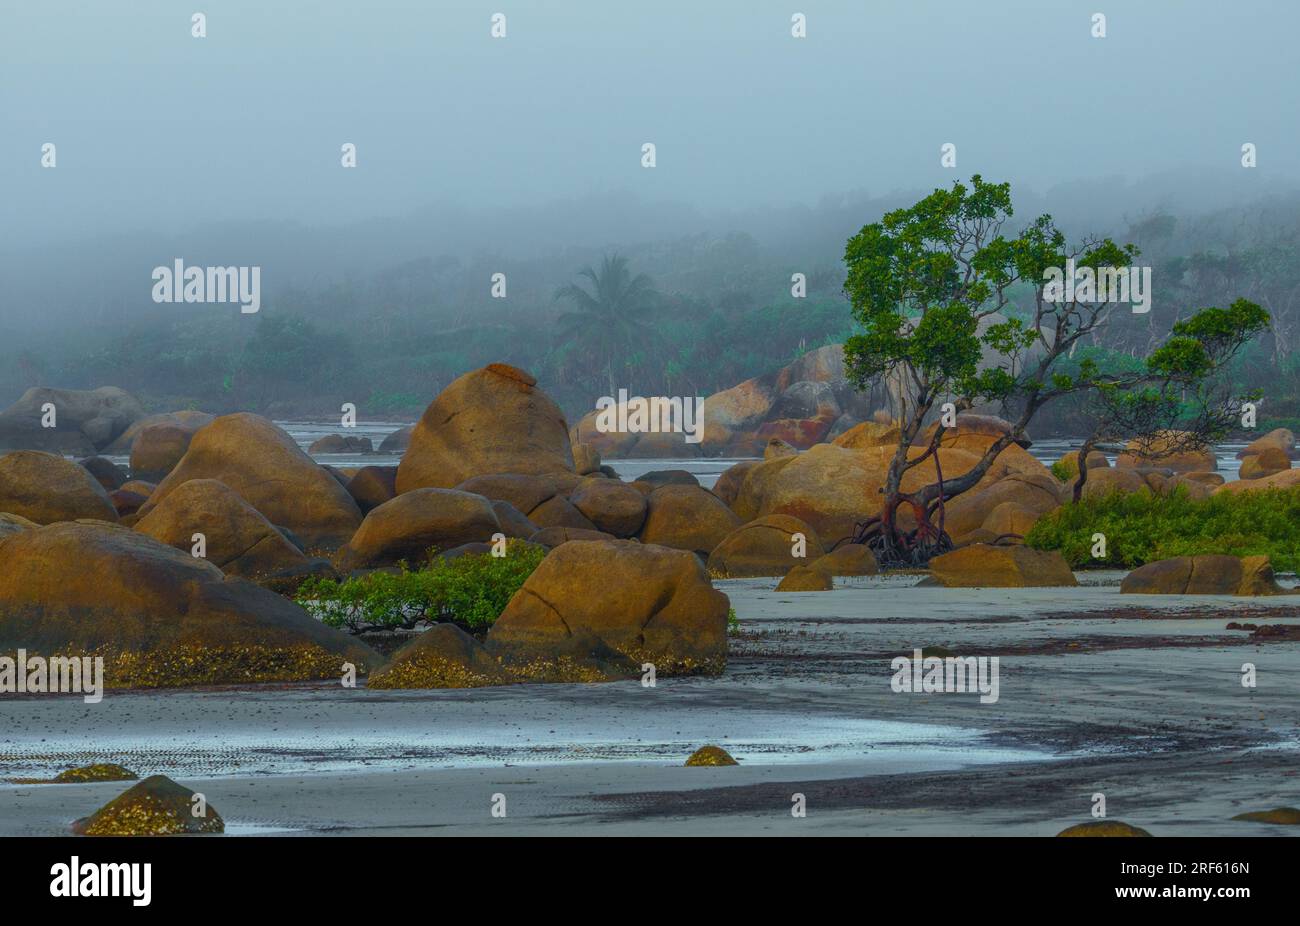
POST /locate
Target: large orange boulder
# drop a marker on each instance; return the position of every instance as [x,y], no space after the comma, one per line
[1070,461]
[493,420]
[1036,494]
[558,511]
[970,424]
[1171,450]
[189,421]
[870,434]
[157,449]
[371,486]
[1277,439]
[267,469]
[976,433]
[806,579]
[848,559]
[237,538]
[769,546]
[527,493]
[446,657]
[1212,574]
[1110,480]
[728,485]
[797,432]
[398,441]
[45,488]
[981,565]
[1286,479]
[831,488]
[612,506]
[822,365]
[649,603]
[1010,519]
[159,617]
[687,518]
[415,524]
[738,410]
[1266,462]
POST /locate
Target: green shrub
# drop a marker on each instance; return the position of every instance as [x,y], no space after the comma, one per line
[1066,470]
[471,591]
[1142,528]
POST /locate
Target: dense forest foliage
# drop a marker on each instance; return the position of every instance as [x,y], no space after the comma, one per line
[688,316]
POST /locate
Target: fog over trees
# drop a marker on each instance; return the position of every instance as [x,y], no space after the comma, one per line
[479,156]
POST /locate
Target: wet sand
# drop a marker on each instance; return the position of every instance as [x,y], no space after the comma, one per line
[1137,697]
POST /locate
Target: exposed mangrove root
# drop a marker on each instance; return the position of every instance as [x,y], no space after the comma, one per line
[902,549]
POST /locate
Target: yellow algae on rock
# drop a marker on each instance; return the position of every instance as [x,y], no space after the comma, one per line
[156,806]
[100,771]
[1287,816]
[710,756]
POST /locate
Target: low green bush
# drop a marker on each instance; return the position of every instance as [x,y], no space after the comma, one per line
[1066,470]
[471,591]
[1142,528]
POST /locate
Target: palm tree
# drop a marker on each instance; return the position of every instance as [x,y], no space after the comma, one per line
[608,323]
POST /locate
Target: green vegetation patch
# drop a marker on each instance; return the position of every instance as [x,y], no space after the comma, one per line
[1143,528]
[1066,470]
[470,591]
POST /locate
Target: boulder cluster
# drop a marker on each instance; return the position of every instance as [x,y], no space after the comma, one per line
[802,404]
[180,578]
[177,569]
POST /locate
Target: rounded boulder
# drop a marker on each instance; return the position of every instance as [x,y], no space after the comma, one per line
[415,524]
[492,420]
[768,546]
[687,518]
[267,469]
[46,488]
[649,603]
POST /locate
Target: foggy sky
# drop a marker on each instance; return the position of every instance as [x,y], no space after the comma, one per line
[165,139]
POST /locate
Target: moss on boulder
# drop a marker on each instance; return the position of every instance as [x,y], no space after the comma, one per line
[1286,816]
[710,756]
[156,806]
[158,617]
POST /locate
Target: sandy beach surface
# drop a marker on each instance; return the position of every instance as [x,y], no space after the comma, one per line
[1139,698]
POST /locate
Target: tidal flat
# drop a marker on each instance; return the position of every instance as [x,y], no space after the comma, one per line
[1139,698]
